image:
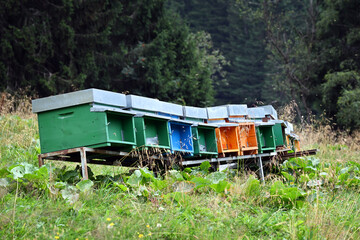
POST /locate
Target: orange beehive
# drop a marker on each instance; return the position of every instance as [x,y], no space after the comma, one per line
[247,138]
[246,131]
[227,140]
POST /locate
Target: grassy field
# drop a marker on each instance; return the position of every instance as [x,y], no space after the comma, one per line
[315,198]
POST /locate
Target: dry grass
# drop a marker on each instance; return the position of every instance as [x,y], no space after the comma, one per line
[320,134]
[16,104]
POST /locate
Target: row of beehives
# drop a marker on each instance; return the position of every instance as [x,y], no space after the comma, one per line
[102,119]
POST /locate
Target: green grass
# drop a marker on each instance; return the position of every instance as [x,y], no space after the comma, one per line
[245,210]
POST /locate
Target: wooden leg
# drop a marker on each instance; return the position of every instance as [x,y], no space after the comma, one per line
[261,171]
[83,164]
[41,160]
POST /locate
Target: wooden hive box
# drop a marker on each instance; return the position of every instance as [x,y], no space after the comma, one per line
[204,136]
[265,137]
[88,118]
[181,139]
[279,133]
[151,129]
[247,134]
[228,139]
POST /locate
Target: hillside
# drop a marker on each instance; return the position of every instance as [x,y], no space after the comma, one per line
[315,197]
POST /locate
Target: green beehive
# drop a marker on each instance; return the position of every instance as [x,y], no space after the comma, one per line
[264,130]
[279,133]
[204,138]
[265,137]
[88,118]
[152,131]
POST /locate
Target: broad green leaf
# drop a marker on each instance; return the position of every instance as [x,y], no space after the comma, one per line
[135,178]
[146,173]
[70,194]
[60,185]
[220,186]
[121,186]
[216,177]
[204,166]
[158,184]
[252,186]
[176,175]
[343,177]
[200,182]
[183,186]
[85,185]
[179,197]
[17,172]
[288,177]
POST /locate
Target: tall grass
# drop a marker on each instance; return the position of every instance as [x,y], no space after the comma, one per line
[246,211]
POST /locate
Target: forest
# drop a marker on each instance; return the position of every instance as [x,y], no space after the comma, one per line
[190,52]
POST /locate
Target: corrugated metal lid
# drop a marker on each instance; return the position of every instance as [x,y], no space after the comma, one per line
[77,98]
[171,108]
[256,112]
[217,112]
[194,112]
[144,103]
[237,109]
[270,110]
[289,128]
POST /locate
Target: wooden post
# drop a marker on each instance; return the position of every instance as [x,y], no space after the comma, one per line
[41,160]
[83,164]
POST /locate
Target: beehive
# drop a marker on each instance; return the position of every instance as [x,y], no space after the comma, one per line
[292,140]
[265,137]
[152,131]
[247,135]
[247,138]
[204,137]
[180,130]
[279,133]
[228,139]
[181,137]
[92,118]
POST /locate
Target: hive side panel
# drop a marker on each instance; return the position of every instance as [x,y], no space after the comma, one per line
[71,127]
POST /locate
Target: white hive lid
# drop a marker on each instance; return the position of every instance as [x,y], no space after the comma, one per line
[77,98]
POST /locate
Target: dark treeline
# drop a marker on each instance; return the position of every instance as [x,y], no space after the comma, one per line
[288,50]
[57,46]
[190,51]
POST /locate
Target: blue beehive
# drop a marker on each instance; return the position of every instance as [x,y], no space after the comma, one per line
[180,130]
[181,137]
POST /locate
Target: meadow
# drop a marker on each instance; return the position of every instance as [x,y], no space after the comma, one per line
[303,198]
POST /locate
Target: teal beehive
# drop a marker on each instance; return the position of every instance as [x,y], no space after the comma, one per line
[204,137]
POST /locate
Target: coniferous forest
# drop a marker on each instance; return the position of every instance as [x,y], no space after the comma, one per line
[191,52]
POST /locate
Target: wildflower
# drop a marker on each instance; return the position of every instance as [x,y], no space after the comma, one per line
[108,219]
[161,209]
[57,237]
[158,225]
[141,235]
[149,233]
[57,233]
[148,226]
[110,225]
